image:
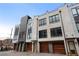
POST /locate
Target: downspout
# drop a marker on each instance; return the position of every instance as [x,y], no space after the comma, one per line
[37,37]
[63,32]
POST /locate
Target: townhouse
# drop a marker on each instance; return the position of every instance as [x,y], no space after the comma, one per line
[20,34]
[15,38]
[55,31]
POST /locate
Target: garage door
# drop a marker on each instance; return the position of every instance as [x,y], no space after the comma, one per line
[28,47]
[58,47]
[44,47]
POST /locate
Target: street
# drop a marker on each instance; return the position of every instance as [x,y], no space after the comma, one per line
[14,53]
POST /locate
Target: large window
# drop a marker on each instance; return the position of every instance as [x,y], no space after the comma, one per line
[22,35]
[54,18]
[43,34]
[16,31]
[56,32]
[30,33]
[42,22]
[75,12]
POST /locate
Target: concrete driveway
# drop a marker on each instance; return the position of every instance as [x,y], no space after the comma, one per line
[14,53]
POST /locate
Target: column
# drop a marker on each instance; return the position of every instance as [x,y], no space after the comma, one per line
[50,47]
[23,46]
[38,47]
[68,50]
[65,45]
[32,48]
[19,46]
[77,46]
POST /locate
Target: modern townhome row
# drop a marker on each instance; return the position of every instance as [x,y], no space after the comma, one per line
[53,32]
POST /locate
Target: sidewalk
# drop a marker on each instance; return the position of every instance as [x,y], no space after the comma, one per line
[14,53]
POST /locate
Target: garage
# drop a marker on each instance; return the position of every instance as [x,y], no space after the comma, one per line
[29,47]
[58,47]
[44,47]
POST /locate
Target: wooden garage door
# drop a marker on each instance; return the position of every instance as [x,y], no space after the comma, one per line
[58,47]
[28,46]
[44,47]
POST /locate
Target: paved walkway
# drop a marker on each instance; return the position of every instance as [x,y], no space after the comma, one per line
[14,53]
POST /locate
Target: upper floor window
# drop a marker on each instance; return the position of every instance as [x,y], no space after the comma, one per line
[75,11]
[22,35]
[16,31]
[30,33]
[42,22]
[77,25]
[43,34]
[54,18]
[56,32]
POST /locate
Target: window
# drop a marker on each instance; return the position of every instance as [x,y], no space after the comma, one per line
[16,31]
[57,17]
[22,35]
[42,22]
[54,18]
[30,33]
[77,25]
[78,10]
[74,12]
[43,34]
[56,32]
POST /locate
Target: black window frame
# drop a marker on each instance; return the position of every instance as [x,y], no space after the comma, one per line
[54,32]
[76,16]
[29,32]
[42,22]
[77,13]
[53,18]
[43,34]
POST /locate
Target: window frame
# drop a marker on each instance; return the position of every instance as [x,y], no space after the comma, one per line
[43,33]
[30,33]
[53,18]
[54,32]
[42,22]
[77,15]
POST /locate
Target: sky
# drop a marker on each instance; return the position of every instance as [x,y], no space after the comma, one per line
[10,14]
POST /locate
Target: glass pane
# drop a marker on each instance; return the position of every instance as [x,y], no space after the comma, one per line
[57,17]
[44,21]
[77,26]
[78,10]
[50,19]
[54,19]
[74,11]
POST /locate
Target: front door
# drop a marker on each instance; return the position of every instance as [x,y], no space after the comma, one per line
[72,48]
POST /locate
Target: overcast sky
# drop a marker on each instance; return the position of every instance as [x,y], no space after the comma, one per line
[10,14]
